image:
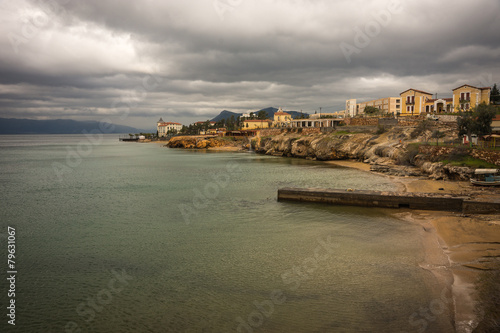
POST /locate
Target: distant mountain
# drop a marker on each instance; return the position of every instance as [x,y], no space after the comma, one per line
[226,115]
[58,126]
[270,111]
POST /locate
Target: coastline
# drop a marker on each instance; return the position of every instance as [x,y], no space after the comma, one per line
[455,246]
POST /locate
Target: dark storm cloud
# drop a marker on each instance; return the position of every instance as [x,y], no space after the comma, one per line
[77,58]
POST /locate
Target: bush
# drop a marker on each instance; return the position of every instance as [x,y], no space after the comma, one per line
[408,157]
[380,130]
[422,127]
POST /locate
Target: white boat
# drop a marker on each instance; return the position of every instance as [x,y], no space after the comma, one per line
[486,177]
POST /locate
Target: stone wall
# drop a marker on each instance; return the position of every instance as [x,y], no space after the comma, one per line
[278,131]
[270,132]
[361,121]
[447,118]
[490,156]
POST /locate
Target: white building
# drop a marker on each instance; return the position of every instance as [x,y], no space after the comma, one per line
[350,107]
[165,128]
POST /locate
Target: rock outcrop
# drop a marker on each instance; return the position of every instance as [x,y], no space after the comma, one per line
[197,142]
[390,153]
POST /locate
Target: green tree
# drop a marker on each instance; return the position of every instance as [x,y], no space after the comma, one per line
[437,134]
[371,110]
[477,121]
[495,95]
[262,115]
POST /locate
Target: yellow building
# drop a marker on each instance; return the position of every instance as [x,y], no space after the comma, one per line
[282,119]
[466,97]
[256,124]
[413,102]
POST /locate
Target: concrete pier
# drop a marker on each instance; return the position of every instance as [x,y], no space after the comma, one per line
[422,201]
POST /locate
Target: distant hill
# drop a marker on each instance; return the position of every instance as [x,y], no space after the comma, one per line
[270,111]
[226,115]
[57,126]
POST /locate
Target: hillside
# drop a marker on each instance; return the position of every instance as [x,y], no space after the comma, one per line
[58,126]
[270,111]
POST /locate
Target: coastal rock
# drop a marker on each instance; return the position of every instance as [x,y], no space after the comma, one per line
[196,142]
[389,153]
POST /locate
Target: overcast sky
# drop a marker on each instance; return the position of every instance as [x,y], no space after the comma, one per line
[132,62]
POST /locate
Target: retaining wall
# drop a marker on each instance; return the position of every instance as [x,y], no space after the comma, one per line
[421,201]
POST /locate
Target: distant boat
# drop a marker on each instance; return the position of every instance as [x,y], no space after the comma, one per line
[486,177]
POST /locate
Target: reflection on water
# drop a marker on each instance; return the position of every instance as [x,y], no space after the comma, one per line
[244,261]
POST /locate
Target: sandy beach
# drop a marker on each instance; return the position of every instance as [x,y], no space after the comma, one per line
[457,247]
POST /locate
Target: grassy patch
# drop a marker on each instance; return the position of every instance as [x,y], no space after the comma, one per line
[470,162]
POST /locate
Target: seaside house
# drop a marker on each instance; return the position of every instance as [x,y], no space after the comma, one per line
[282,119]
[256,124]
[466,97]
[165,128]
[413,102]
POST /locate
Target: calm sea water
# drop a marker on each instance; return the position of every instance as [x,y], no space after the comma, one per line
[127,237]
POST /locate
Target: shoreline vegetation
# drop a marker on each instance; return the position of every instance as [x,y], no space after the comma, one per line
[462,252]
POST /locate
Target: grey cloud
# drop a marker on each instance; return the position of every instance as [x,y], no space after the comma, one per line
[279,53]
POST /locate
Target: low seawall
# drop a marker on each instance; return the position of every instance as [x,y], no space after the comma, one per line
[421,201]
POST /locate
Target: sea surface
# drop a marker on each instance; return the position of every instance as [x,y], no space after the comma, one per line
[130,237]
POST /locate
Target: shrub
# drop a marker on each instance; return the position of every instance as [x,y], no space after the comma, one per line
[422,127]
[408,157]
[380,130]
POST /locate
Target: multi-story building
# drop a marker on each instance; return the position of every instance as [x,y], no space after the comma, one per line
[165,128]
[350,107]
[387,105]
[413,102]
[466,97]
[282,119]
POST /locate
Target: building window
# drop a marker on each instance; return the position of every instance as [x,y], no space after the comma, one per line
[398,101]
[398,106]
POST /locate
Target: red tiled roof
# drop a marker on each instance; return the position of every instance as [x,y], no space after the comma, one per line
[420,91]
[166,124]
[281,114]
[256,120]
